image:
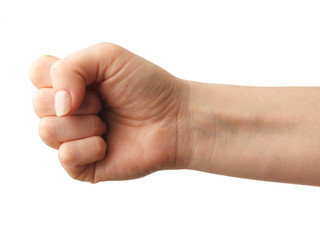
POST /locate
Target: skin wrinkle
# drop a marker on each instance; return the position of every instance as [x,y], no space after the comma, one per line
[118,71]
[88,170]
[77,71]
[165,99]
[68,62]
[202,124]
[112,83]
[188,125]
[95,126]
[113,62]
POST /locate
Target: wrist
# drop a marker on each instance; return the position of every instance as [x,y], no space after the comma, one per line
[253,132]
[217,128]
[196,128]
[199,128]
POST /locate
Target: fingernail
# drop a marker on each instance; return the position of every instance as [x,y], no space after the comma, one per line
[62,103]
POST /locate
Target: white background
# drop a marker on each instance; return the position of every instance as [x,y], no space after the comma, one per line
[261,43]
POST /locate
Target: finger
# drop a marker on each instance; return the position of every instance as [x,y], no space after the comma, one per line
[40,71]
[78,157]
[71,75]
[43,103]
[54,130]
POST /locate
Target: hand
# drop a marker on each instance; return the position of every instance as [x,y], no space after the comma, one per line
[122,117]
[119,114]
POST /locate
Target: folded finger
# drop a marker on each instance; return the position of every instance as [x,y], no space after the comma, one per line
[56,130]
[40,71]
[78,157]
[43,103]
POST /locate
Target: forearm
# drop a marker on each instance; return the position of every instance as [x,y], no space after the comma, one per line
[255,132]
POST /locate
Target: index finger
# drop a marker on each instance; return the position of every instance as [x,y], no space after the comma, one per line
[40,71]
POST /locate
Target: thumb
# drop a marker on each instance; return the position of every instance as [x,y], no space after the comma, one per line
[72,74]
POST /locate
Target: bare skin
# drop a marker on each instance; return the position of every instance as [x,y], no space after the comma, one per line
[122,117]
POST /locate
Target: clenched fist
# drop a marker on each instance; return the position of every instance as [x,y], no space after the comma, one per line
[111,114]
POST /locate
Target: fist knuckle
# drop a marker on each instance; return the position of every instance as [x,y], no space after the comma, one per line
[34,69]
[47,129]
[100,146]
[109,47]
[66,155]
[36,103]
